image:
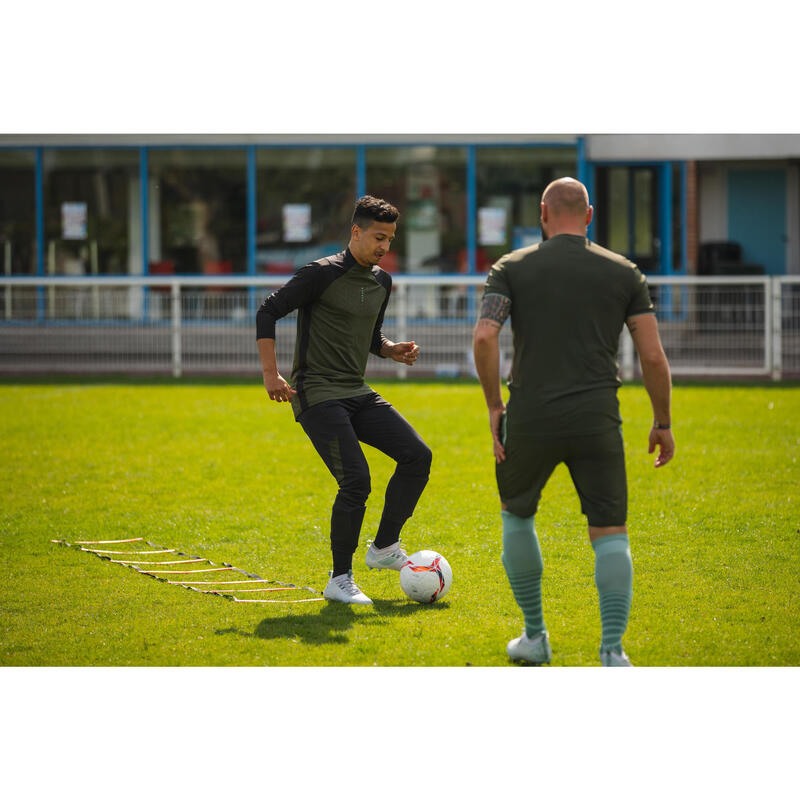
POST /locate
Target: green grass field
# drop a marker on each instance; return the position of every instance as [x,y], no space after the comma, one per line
[218,471]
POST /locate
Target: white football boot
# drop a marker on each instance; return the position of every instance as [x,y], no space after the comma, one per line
[610,658]
[391,557]
[534,651]
[343,589]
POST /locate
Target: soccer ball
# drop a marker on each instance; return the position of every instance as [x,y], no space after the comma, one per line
[426,576]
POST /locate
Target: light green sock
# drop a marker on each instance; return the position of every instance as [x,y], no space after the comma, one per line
[523,563]
[613,575]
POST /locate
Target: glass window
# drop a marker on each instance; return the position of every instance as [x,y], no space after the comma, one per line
[644,203]
[304,205]
[17,212]
[428,187]
[617,211]
[626,213]
[197,211]
[91,211]
[510,182]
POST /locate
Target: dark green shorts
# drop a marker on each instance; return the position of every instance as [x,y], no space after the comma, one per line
[596,464]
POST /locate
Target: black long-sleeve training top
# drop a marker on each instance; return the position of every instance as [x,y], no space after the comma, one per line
[339,323]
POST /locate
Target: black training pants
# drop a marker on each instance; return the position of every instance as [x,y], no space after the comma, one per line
[336,427]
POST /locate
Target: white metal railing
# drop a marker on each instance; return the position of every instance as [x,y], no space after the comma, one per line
[710,326]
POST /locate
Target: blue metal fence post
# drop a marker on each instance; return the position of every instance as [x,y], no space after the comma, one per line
[39,200]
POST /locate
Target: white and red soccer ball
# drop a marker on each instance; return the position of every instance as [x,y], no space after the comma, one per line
[426,576]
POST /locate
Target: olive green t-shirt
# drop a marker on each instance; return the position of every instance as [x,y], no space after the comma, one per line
[569,301]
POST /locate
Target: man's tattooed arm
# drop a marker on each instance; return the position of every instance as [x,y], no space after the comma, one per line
[495,309]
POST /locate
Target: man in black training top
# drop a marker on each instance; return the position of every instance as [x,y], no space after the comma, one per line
[341,301]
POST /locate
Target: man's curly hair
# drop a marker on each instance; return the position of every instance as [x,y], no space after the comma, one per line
[371,209]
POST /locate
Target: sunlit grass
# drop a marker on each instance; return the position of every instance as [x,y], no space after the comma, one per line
[219,471]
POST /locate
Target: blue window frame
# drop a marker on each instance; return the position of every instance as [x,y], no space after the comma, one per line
[583,170]
[670,216]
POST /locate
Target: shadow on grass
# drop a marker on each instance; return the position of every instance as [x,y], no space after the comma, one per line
[334,621]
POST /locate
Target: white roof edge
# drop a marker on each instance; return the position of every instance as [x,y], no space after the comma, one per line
[691,146]
[223,139]
[599,146]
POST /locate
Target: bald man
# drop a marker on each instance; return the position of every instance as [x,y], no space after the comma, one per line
[568,300]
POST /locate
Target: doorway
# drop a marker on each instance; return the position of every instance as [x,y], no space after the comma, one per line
[757,216]
[627,213]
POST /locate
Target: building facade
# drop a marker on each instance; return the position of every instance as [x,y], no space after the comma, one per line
[100,205]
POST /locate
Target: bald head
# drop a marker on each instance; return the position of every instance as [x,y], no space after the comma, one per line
[565,208]
[566,196]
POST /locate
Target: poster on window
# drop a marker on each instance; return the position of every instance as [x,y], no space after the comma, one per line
[491,225]
[73,220]
[297,222]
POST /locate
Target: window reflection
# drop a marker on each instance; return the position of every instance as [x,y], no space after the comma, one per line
[643,202]
[626,212]
[91,208]
[428,187]
[198,211]
[17,213]
[304,205]
[510,183]
[197,207]
[617,210]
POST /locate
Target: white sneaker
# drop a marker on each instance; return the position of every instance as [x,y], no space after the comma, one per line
[391,557]
[610,658]
[343,589]
[535,651]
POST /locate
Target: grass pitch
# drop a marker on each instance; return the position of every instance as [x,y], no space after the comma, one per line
[221,472]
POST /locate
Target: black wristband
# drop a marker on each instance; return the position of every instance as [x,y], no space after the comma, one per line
[661,427]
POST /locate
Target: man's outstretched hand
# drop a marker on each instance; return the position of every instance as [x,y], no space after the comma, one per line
[403,352]
[278,389]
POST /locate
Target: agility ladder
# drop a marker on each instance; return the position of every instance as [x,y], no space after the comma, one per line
[222,589]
